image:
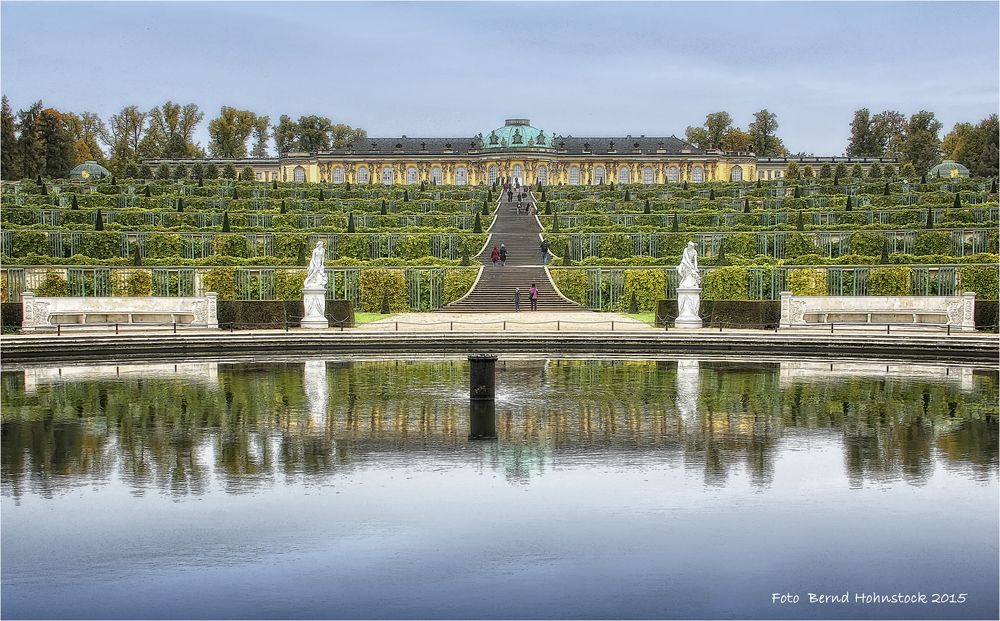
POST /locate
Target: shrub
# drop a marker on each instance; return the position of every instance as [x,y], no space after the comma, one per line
[742,245]
[889,281]
[247,174]
[797,245]
[162,245]
[229,172]
[980,278]
[616,246]
[867,242]
[726,283]
[137,284]
[457,283]
[413,246]
[288,285]
[807,282]
[54,285]
[30,242]
[933,242]
[377,284]
[163,172]
[230,245]
[571,283]
[101,244]
[221,280]
[645,287]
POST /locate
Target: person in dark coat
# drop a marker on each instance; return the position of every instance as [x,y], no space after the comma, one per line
[517,299]
[503,255]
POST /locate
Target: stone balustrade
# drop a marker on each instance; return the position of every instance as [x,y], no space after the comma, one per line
[48,312]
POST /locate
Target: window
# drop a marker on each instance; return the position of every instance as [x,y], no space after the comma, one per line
[299,175]
[672,174]
[574,175]
[761,174]
[436,176]
[411,175]
[387,176]
[363,175]
[697,174]
[647,175]
[494,173]
[338,175]
[259,176]
[543,175]
[624,176]
[736,174]
[460,176]
[599,175]
[519,173]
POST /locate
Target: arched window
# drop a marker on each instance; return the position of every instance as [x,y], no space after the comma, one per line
[386,176]
[494,172]
[672,174]
[647,175]
[363,175]
[736,174]
[599,175]
[461,176]
[299,175]
[574,175]
[411,175]
[624,175]
[697,174]
[436,176]
[338,175]
[519,173]
[543,175]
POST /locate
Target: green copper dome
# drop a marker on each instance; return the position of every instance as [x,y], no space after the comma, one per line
[949,169]
[89,170]
[517,134]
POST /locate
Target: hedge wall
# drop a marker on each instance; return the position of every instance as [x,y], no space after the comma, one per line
[729,313]
[254,314]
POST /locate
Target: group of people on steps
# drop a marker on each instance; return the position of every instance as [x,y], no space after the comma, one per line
[499,254]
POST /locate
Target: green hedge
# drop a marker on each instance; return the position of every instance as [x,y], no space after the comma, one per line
[726,283]
[262,314]
[221,280]
[889,281]
[377,285]
[728,313]
[807,282]
[457,283]
[646,285]
[571,283]
[983,279]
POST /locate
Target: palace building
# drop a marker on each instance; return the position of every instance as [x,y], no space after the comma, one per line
[519,151]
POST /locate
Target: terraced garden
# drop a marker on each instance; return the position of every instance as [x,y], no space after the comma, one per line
[410,248]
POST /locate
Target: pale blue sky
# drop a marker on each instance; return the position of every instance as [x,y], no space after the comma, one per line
[456,69]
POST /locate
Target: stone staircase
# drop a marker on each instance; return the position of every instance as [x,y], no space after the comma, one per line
[495,290]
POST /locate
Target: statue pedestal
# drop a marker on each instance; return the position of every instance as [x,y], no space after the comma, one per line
[314,302]
[688,303]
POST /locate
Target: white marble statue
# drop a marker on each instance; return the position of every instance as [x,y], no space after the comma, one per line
[689,290]
[688,268]
[316,274]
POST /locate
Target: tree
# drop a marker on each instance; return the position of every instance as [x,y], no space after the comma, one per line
[793,170]
[958,201]
[736,140]
[314,133]
[907,171]
[181,172]
[87,130]
[142,172]
[229,132]
[247,174]
[285,135]
[889,128]
[762,134]
[9,168]
[58,140]
[343,135]
[211,171]
[98,220]
[840,170]
[864,142]
[857,171]
[30,146]
[698,136]
[975,146]
[889,171]
[922,146]
[825,171]
[171,131]
[875,171]
[123,134]
[261,134]
[198,170]
[225,221]
[229,171]
[807,172]
[163,171]
[351,225]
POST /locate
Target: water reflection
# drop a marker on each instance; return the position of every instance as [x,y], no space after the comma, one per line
[188,427]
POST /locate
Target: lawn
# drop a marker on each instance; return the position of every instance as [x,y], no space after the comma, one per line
[360,318]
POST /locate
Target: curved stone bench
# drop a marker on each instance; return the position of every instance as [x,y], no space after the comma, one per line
[42,313]
[957,312]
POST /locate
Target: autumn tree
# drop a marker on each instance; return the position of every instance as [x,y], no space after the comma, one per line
[974,146]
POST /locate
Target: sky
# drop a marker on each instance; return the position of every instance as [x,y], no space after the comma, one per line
[455,69]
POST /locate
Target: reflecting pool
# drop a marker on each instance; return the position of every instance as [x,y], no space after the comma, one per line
[633,489]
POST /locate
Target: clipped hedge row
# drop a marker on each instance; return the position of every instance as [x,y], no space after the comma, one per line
[259,314]
[728,313]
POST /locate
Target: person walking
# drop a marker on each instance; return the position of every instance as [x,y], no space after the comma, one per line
[533,296]
[510,196]
[503,255]
[495,256]
[545,252]
[517,299]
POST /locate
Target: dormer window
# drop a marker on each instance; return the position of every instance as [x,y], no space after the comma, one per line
[374,146]
[636,146]
[586,147]
[399,145]
[423,146]
[447,145]
[562,145]
[611,146]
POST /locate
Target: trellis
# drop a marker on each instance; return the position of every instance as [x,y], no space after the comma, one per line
[178,282]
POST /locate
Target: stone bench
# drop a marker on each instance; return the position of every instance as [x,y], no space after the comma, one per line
[957,312]
[42,313]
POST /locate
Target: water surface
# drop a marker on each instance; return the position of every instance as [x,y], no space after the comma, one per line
[636,489]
